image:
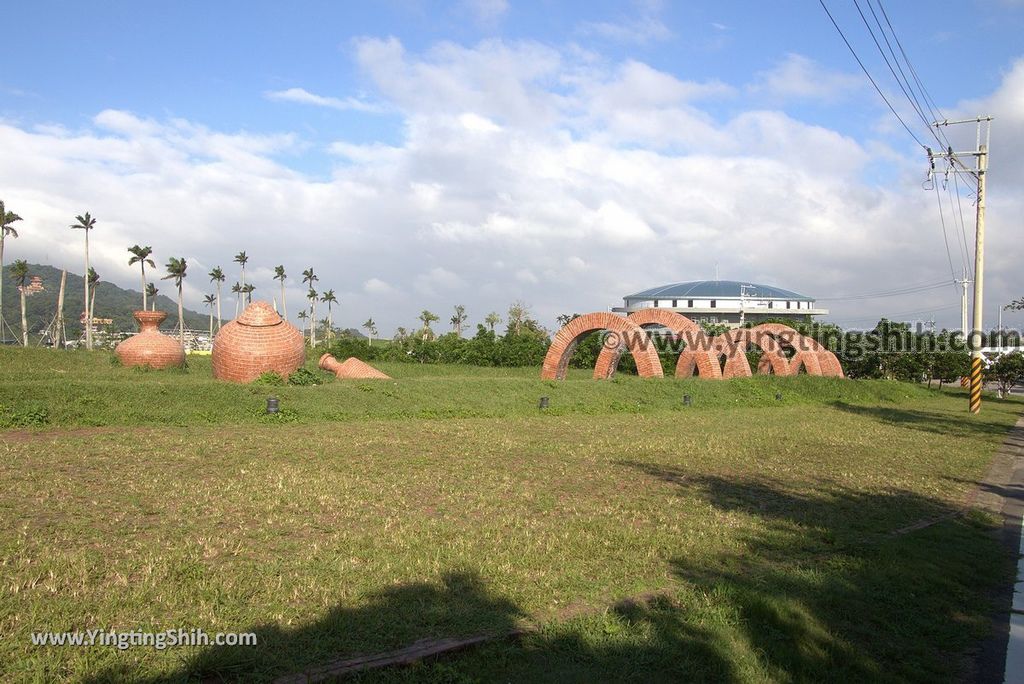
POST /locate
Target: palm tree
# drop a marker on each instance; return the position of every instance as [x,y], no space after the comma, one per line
[236,290]
[86,223]
[427,317]
[209,300]
[19,274]
[329,299]
[311,296]
[247,290]
[492,319]
[302,315]
[7,219]
[459,319]
[176,271]
[401,334]
[217,276]
[151,293]
[94,279]
[242,259]
[517,316]
[309,277]
[370,328]
[140,255]
[280,275]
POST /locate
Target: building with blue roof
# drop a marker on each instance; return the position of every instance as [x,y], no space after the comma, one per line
[732,302]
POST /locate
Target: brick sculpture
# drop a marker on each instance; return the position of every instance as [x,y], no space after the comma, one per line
[150,347]
[697,343]
[259,341]
[351,369]
[701,354]
[629,333]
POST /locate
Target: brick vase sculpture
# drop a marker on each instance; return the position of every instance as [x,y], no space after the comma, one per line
[257,342]
[351,369]
[151,347]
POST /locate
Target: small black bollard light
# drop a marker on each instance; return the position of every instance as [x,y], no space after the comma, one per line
[273,405]
[687,400]
[778,396]
[543,403]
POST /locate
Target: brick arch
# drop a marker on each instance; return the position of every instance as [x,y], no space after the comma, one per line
[564,344]
[677,324]
[809,360]
[733,345]
[704,361]
[827,364]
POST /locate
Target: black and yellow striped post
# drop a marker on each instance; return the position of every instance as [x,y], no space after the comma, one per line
[965,381]
[975,393]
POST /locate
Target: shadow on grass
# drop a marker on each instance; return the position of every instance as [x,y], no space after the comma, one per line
[396,617]
[929,421]
[826,590]
[815,588]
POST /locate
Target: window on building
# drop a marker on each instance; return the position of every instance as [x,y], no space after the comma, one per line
[714,303]
[655,303]
[689,303]
[769,304]
[675,303]
[787,304]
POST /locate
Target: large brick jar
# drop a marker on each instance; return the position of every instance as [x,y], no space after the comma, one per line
[257,342]
[150,347]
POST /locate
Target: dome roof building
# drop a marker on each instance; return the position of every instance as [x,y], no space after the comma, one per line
[732,302]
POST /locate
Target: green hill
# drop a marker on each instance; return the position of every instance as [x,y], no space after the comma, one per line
[111,302]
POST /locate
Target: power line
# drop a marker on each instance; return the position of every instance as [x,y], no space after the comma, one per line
[945,238]
[909,289]
[902,313]
[912,99]
[868,74]
[933,108]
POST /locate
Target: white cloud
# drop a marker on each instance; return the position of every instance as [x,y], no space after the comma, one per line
[302,96]
[639,31]
[522,172]
[487,13]
[799,77]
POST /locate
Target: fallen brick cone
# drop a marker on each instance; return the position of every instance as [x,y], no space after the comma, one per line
[351,369]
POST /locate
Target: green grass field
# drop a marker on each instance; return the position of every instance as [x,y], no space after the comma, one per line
[739,539]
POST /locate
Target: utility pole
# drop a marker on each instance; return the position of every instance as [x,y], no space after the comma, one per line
[979,172]
[963,283]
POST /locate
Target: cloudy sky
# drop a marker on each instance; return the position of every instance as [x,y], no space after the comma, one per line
[421,155]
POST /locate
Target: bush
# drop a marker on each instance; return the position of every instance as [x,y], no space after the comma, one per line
[269,378]
[304,377]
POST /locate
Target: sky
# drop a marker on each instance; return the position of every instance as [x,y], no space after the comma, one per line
[420,155]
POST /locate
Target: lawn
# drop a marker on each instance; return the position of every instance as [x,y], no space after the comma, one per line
[741,538]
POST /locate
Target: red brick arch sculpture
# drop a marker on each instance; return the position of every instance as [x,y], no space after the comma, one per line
[678,325]
[733,345]
[629,333]
[808,352]
[702,354]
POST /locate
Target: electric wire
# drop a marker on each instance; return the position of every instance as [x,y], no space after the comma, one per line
[910,96]
[945,236]
[910,289]
[868,74]
[933,108]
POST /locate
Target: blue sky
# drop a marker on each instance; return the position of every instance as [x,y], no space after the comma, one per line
[346,123]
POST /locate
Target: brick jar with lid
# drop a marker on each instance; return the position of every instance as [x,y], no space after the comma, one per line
[257,342]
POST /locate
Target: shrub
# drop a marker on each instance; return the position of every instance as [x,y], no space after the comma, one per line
[269,378]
